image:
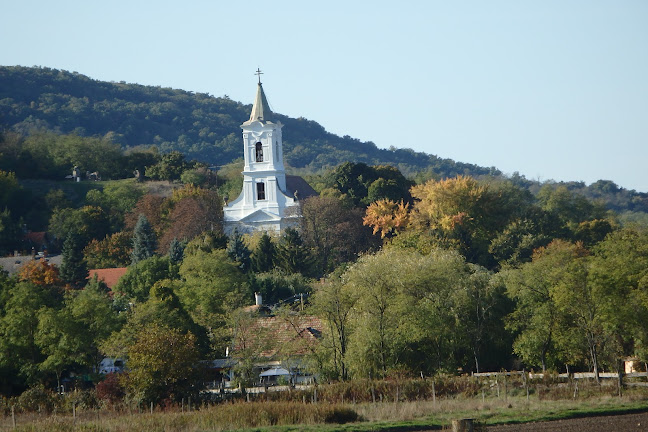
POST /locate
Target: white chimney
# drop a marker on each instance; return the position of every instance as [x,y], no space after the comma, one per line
[257,299]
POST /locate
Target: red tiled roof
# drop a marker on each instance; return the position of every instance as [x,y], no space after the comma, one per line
[110,276]
[294,335]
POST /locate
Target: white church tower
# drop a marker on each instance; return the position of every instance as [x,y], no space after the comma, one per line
[264,201]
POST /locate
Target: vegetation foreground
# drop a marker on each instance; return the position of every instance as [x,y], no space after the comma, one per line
[482,400]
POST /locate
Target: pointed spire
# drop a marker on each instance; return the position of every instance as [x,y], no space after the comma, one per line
[261,109]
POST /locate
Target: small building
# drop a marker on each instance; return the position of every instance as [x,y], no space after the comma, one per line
[111,365]
[278,345]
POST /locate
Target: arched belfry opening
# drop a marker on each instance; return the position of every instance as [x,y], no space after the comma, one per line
[258,151]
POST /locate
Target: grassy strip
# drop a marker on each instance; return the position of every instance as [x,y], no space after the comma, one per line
[482,417]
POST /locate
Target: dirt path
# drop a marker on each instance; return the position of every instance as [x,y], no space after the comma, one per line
[613,423]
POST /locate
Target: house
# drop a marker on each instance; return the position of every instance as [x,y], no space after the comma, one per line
[277,345]
[111,365]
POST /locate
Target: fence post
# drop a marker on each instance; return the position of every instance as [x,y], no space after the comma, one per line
[433,394]
[462,425]
[13,417]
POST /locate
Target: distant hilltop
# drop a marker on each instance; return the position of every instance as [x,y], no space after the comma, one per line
[201,126]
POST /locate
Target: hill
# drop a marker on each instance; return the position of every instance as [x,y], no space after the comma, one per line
[206,128]
[199,125]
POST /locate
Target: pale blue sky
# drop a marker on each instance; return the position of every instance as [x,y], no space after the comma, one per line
[552,89]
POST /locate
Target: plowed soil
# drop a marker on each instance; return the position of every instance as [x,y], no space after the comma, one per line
[613,423]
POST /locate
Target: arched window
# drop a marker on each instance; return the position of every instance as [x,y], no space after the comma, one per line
[259,152]
[260,191]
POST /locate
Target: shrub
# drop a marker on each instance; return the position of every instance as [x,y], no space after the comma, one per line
[110,390]
[38,399]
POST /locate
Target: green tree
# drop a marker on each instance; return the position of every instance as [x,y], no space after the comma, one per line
[88,222]
[140,277]
[170,167]
[163,364]
[263,255]
[237,250]
[213,286]
[74,270]
[62,340]
[144,240]
[619,271]
[10,232]
[292,255]
[334,302]
[19,327]
[276,286]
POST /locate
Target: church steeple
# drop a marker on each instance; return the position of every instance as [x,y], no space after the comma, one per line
[263,201]
[261,109]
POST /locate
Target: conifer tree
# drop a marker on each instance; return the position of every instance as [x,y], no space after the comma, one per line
[238,251]
[144,240]
[264,254]
[73,269]
[292,255]
[176,251]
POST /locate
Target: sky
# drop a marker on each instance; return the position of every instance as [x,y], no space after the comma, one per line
[552,89]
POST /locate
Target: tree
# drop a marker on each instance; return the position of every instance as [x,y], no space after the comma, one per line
[144,241]
[193,213]
[163,364]
[170,167]
[278,286]
[333,232]
[74,270]
[140,277]
[88,222]
[292,255]
[237,251]
[10,232]
[19,327]
[43,274]
[111,252]
[536,318]
[176,251]
[334,303]
[61,339]
[463,214]
[387,217]
[264,254]
[619,271]
[213,286]
[150,206]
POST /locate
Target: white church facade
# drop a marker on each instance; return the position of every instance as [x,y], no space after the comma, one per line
[265,204]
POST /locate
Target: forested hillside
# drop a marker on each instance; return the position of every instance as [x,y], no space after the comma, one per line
[201,126]
[206,128]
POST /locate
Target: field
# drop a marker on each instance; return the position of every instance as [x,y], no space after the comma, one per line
[595,408]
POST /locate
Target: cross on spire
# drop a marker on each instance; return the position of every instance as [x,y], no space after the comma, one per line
[258,73]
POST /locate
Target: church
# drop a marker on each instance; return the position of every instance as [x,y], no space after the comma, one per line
[268,201]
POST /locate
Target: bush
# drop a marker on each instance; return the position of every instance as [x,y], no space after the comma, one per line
[82,400]
[38,399]
[110,391]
